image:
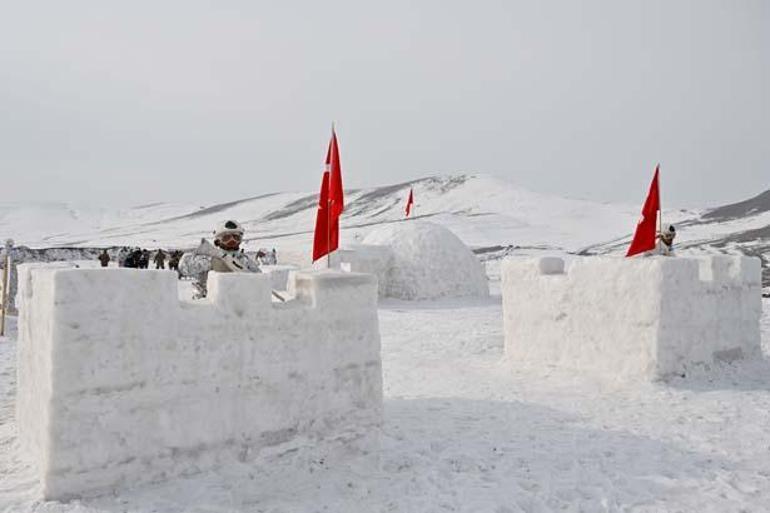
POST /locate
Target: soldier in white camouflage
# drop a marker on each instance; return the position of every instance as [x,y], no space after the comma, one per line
[225,255]
[665,243]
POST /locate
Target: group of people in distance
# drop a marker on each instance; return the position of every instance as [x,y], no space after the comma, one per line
[138,258]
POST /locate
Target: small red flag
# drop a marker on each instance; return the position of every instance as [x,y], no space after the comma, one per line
[336,194]
[409,202]
[326,235]
[646,230]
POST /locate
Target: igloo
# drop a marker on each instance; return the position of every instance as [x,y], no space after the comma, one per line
[416,260]
[120,383]
[631,317]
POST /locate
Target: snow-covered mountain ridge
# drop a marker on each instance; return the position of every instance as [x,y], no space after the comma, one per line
[736,228]
[491,215]
[484,210]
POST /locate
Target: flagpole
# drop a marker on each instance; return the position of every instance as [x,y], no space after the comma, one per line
[6,277]
[328,219]
[660,205]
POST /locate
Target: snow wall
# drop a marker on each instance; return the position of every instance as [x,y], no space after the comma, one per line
[640,317]
[279,274]
[416,260]
[119,383]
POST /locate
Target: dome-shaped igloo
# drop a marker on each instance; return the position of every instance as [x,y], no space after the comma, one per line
[427,261]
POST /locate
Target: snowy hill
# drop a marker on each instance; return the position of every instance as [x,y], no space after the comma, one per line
[491,215]
[483,210]
[737,228]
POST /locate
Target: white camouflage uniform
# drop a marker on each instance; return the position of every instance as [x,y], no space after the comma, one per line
[222,260]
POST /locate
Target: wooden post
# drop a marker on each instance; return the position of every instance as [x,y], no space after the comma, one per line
[660,207]
[328,231]
[5,284]
[329,216]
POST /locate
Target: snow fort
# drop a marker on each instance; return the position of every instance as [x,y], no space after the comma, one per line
[119,383]
[628,318]
[416,260]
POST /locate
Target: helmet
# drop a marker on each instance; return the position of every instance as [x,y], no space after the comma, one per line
[667,230]
[229,226]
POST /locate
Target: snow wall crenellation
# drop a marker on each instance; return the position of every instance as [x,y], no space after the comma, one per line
[120,382]
[640,317]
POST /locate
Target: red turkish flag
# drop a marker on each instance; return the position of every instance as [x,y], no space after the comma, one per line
[409,202]
[331,203]
[336,195]
[326,236]
[646,230]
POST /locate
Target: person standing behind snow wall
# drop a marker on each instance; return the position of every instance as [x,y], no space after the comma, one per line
[665,243]
[160,259]
[227,258]
[104,258]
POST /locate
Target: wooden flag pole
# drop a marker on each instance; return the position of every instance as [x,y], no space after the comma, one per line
[3,298]
[660,206]
[328,233]
[328,216]
[4,285]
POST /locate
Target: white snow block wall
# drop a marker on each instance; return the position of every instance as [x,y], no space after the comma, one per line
[279,274]
[362,258]
[417,260]
[119,383]
[639,317]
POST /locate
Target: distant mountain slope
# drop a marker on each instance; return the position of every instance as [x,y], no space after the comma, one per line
[491,215]
[757,205]
[738,228]
[484,211]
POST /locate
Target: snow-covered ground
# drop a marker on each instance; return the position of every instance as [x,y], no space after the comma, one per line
[464,432]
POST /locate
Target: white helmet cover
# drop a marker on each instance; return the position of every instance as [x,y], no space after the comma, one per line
[668,230]
[229,226]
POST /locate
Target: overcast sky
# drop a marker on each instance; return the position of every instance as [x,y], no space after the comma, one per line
[202,101]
